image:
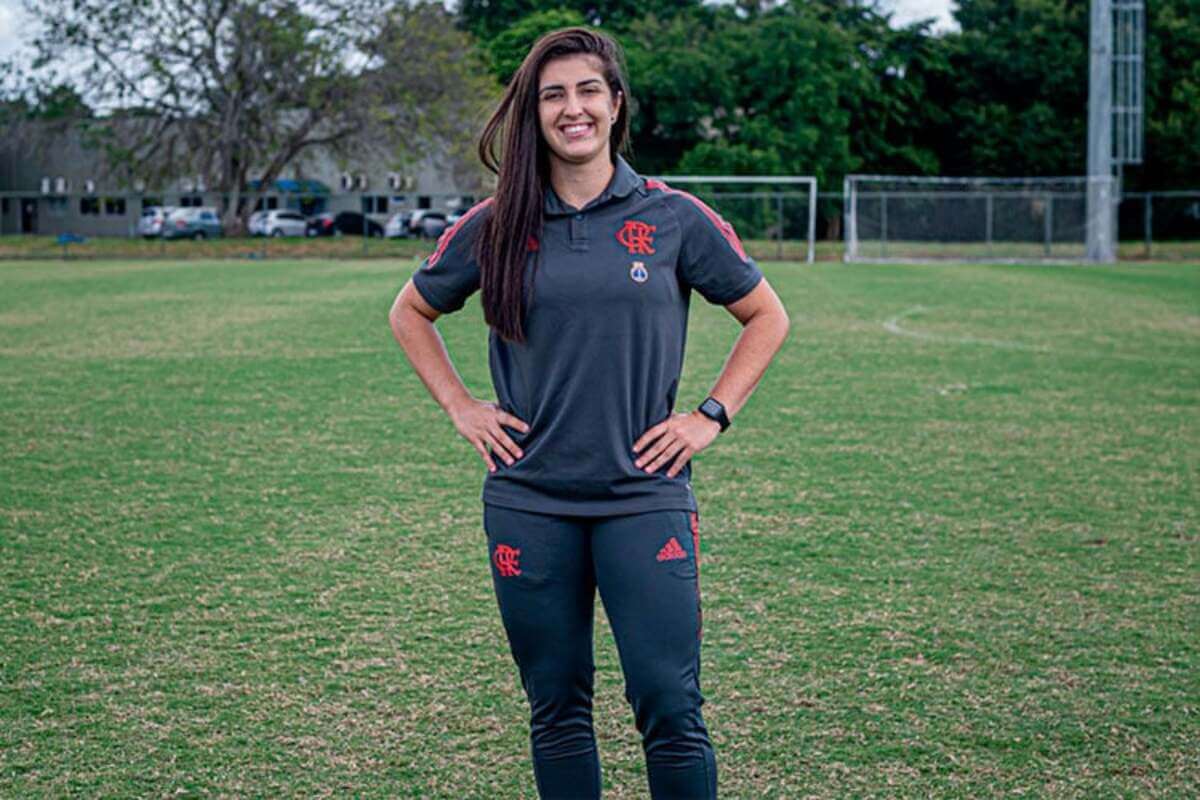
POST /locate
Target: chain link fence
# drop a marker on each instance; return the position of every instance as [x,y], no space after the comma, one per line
[178,224]
[772,222]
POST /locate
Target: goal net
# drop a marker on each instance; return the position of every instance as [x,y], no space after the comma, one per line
[891,218]
[774,216]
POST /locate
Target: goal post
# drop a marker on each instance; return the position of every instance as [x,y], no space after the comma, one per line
[897,218]
[769,212]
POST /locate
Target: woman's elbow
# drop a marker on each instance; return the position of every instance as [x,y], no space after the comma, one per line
[401,319]
[395,318]
[783,321]
[785,327]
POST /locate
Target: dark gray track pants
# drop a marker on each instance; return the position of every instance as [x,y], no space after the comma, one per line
[546,569]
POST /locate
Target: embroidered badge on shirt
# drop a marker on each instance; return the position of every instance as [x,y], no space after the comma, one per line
[637,271]
[638,237]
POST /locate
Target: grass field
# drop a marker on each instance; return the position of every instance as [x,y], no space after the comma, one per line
[26,247]
[951,547]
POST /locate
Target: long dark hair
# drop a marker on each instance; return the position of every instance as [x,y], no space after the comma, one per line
[514,226]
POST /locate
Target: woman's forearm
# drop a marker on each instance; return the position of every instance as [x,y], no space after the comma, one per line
[426,351]
[760,339]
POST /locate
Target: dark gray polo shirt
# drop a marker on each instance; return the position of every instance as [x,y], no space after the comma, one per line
[605,335]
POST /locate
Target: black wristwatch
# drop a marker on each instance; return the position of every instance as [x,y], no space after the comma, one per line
[713,409]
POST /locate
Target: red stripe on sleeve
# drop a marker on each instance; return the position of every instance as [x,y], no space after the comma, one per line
[449,233]
[724,227]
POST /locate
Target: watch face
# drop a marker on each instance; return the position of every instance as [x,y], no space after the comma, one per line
[715,411]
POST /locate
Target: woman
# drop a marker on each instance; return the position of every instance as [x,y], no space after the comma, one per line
[586,270]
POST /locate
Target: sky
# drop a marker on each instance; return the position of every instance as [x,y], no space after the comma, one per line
[906,11]
[10,13]
[12,16]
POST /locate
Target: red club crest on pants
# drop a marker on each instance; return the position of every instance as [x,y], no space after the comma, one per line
[505,559]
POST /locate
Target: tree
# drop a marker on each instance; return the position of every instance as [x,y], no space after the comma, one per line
[1016,92]
[720,90]
[1015,95]
[32,123]
[231,90]
[508,49]
[490,18]
[886,91]
[1172,157]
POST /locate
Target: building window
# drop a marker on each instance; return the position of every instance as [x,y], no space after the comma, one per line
[89,205]
[191,201]
[57,205]
[3,205]
[374,204]
[269,203]
[424,202]
[150,202]
[114,206]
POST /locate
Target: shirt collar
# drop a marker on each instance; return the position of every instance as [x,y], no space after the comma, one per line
[622,184]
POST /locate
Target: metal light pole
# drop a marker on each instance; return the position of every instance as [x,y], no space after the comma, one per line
[1100,201]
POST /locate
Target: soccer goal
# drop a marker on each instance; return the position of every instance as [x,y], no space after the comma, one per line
[774,216]
[896,218]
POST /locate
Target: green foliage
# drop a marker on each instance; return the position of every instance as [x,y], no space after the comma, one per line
[1172,95]
[887,98]
[719,91]
[33,117]
[509,48]
[1015,92]
[59,102]
[738,158]
[822,87]
[490,18]
[675,77]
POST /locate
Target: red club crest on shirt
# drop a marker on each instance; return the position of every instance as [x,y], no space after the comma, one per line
[638,237]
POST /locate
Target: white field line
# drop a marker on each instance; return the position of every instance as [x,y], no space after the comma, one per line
[893,326]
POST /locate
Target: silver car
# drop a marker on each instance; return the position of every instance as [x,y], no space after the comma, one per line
[150,223]
[192,223]
[426,223]
[397,225]
[277,222]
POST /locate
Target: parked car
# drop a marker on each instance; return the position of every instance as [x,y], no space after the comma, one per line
[345,223]
[427,223]
[192,223]
[397,225]
[150,223]
[277,222]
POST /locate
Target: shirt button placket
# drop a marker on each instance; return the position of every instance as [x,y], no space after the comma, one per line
[579,235]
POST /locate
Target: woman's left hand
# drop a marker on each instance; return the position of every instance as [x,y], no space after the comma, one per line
[680,436]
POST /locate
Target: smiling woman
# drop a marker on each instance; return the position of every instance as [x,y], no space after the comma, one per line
[586,271]
[576,110]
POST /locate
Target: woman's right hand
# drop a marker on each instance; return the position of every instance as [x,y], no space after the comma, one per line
[479,423]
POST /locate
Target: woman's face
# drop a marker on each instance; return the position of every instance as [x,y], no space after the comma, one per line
[576,110]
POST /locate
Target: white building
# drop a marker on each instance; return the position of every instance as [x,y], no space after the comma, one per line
[56,188]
